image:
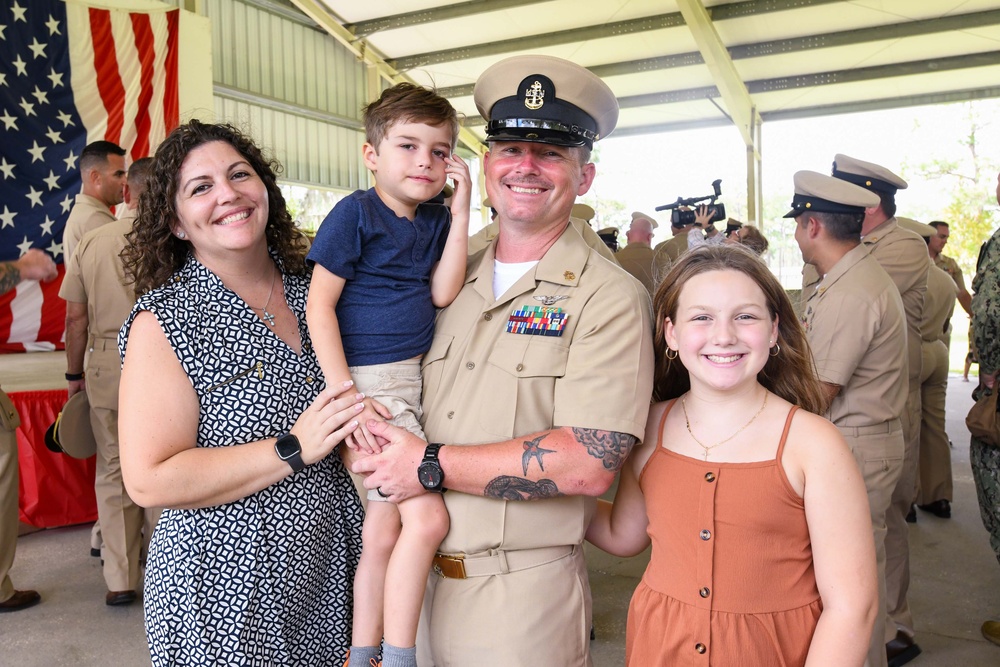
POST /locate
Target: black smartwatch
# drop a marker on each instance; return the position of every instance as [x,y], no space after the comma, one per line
[429,472]
[290,451]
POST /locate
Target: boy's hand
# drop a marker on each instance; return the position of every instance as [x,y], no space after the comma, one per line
[362,439]
[458,171]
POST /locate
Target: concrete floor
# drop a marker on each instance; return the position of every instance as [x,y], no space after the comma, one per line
[955,587]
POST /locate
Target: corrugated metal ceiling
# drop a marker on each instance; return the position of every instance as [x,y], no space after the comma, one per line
[797,58]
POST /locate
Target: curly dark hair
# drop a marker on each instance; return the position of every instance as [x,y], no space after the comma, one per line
[791,374]
[152,253]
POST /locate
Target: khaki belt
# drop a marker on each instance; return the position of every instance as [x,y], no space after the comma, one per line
[99,343]
[890,426]
[460,566]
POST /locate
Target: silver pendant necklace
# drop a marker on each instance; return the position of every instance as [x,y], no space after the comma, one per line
[266,316]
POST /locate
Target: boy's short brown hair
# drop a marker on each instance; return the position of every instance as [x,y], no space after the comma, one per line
[408,103]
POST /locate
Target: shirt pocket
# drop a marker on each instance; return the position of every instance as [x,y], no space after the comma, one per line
[432,364]
[521,376]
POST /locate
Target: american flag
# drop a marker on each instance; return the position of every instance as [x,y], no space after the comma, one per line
[69,75]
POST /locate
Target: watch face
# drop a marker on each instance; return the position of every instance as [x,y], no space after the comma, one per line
[430,476]
[288,447]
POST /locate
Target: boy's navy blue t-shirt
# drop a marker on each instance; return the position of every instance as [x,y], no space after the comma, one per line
[385,311]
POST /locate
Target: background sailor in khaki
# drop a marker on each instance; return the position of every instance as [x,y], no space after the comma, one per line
[637,257]
[857,331]
[97,303]
[935,488]
[102,169]
[935,246]
[901,253]
[541,372]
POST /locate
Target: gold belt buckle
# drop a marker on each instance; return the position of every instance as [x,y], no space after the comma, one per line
[450,567]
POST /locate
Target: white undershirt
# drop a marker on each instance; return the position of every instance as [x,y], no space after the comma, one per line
[505,275]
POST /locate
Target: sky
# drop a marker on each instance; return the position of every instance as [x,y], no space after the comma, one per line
[647,171]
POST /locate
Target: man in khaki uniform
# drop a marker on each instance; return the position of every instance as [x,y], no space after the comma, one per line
[97,303]
[936,486]
[902,254]
[638,256]
[102,168]
[33,265]
[516,386]
[935,246]
[857,331]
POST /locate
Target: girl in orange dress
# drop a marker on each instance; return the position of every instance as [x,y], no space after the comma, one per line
[761,539]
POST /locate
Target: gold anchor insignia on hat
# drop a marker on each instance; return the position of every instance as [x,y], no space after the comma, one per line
[534,96]
[548,300]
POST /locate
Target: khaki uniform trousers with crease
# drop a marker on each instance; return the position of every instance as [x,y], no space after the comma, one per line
[897,539]
[878,451]
[9,482]
[121,519]
[935,450]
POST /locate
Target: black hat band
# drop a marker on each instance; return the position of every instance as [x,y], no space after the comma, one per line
[867,182]
[582,134]
[805,203]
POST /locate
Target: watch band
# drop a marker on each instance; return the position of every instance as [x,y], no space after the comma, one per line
[289,450]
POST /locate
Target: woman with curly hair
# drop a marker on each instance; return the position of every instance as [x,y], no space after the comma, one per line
[223,421]
[757,513]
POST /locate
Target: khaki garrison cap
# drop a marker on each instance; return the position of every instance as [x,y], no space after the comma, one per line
[826,194]
[918,227]
[638,215]
[583,212]
[867,174]
[545,100]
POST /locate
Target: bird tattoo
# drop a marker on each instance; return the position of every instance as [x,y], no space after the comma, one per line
[533,450]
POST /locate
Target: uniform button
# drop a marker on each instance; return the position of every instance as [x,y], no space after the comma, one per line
[704,592]
[309,380]
[709,476]
[470,365]
[488,316]
[451,414]
[520,367]
[700,648]
[706,534]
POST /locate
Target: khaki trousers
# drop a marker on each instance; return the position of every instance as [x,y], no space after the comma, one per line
[878,452]
[897,538]
[9,482]
[935,450]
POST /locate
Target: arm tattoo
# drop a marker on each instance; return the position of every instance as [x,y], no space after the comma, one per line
[533,450]
[507,487]
[10,276]
[611,447]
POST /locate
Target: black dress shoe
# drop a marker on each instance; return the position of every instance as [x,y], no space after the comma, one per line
[911,516]
[939,508]
[119,598]
[20,600]
[901,650]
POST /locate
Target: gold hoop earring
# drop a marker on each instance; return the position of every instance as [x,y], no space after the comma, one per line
[669,350]
[775,351]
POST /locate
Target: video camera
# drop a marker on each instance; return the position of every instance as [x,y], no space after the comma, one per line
[682,218]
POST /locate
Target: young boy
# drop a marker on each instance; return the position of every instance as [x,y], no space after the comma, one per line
[384,259]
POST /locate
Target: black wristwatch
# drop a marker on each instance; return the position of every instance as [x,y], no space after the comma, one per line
[290,451]
[429,472]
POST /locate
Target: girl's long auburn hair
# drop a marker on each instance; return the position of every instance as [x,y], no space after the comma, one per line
[791,374]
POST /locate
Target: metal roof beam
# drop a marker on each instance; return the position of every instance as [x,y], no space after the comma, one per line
[433,15]
[845,38]
[657,22]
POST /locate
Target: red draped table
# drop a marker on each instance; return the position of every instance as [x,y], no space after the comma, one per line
[56,489]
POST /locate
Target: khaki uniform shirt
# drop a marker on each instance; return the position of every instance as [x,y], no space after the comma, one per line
[637,259]
[483,384]
[939,304]
[672,248]
[903,255]
[950,266]
[485,236]
[95,276]
[857,331]
[88,214]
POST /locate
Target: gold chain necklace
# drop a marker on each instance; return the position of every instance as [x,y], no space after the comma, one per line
[709,448]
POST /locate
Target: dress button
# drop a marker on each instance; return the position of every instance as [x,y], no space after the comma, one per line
[488,316]
[700,648]
[309,380]
[709,476]
[706,534]
[704,592]
[470,365]
[451,414]
[519,367]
